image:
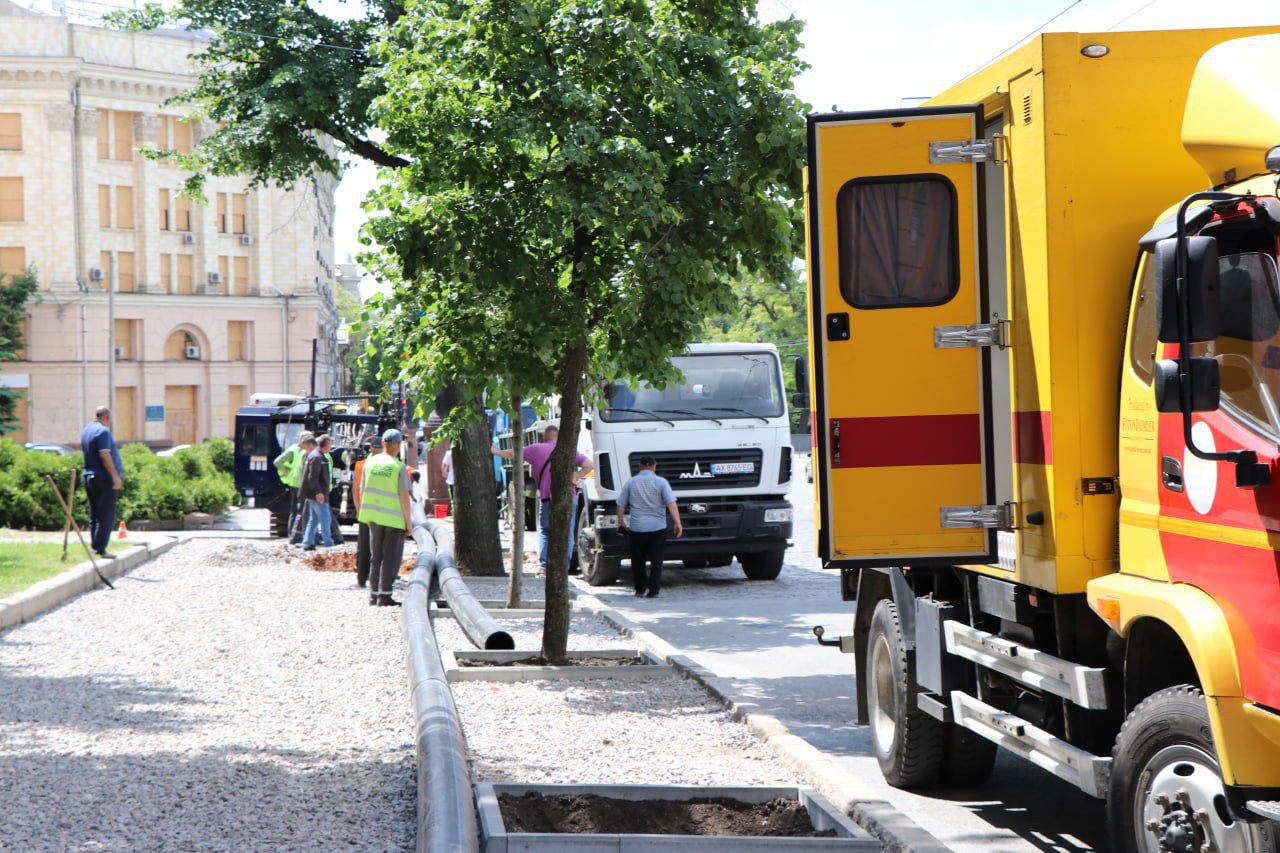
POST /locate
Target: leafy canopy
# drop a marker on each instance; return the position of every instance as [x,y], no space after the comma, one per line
[15,292]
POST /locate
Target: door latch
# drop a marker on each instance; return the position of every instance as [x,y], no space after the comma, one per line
[998,516]
[974,335]
[991,150]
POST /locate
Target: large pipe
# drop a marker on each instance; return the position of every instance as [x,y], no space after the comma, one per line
[475,621]
[446,812]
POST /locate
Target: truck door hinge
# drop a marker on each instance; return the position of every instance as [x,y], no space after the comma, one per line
[995,334]
[1000,516]
[990,150]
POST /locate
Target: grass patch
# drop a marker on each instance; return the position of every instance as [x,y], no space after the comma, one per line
[25,563]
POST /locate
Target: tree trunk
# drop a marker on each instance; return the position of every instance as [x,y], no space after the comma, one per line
[515,506]
[555,626]
[475,512]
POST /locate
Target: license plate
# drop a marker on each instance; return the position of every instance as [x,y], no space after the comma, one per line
[732,467]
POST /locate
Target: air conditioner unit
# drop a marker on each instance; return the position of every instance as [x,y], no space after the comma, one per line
[246,240]
[119,352]
[188,239]
[96,274]
[215,278]
[193,352]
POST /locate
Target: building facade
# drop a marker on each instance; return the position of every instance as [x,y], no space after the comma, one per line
[189,307]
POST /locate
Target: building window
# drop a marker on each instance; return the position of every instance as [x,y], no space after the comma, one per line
[898,241]
[224,272]
[10,131]
[13,260]
[125,338]
[239,205]
[182,213]
[104,134]
[104,206]
[166,273]
[123,136]
[11,208]
[174,135]
[185,267]
[236,397]
[239,336]
[124,207]
[125,282]
[221,221]
[240,276]
[166,215]
[179,344]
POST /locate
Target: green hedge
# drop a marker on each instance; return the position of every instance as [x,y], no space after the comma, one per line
[197,479]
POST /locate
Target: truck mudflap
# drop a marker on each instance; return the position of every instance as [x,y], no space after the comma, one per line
[711,527]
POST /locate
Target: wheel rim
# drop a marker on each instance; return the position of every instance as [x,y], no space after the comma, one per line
[1182,806]
[882,695]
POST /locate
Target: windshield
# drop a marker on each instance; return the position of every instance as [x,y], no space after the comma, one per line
[715,387]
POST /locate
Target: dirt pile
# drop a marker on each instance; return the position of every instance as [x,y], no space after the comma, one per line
[588,813]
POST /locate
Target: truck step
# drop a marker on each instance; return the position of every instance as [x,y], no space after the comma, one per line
[1088,772]
[1083,685]
[1266,809]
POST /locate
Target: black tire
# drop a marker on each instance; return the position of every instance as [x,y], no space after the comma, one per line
[762,566]
[909,745]
[279,525]
[694,563]
[970,759]
[595,567]
[1166,745]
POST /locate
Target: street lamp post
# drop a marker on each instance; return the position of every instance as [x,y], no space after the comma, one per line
[111,332]
[284,334]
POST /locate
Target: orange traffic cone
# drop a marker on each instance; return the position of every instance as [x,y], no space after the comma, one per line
[121,533]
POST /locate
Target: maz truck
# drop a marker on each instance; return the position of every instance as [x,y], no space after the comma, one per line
[1046,369]
[721,436]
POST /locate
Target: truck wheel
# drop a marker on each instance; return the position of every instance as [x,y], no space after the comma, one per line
[763,566]
[1166,790]
[279,525]
[909,744]
[595,567]
[970,759]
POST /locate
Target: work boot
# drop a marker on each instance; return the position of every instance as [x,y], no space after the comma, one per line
[387,601]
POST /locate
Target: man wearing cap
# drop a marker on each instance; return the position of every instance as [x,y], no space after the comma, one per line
[289,466]
[384,507]
[649,498]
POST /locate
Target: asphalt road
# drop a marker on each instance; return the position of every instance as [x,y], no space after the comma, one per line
[759,635]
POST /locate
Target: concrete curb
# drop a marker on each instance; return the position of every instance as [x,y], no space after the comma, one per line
[454,671]
[878,816]
[43,596]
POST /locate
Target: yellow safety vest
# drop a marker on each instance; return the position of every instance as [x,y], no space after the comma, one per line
[293,457]
[380,492]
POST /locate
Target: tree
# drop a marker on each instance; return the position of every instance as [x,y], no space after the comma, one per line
[15,292]
[584,179]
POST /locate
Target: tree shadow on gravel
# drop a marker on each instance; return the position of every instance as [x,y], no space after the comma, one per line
[223,799]
[92,705]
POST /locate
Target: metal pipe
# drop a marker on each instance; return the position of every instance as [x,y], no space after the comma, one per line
[111,333]
[446,811]
[475,621]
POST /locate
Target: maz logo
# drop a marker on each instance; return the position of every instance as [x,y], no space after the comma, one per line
[696,474]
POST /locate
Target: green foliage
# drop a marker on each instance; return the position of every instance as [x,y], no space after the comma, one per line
[15,292]
[197,479]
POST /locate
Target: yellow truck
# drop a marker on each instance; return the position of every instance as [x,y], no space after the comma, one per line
[1045,365]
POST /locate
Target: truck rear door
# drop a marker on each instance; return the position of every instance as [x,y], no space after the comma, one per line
[901,338]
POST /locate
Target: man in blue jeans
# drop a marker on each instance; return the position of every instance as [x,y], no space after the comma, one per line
[538,457]
[315,491]
[102,478]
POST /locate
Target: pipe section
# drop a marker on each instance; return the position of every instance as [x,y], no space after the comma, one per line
[446,814]
[475,621]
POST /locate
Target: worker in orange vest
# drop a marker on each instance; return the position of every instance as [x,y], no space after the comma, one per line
[363,552]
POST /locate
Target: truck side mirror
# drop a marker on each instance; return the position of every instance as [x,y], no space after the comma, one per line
[802,375]
[1202,289]
[1205,387]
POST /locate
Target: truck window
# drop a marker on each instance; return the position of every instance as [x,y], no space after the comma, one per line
[255,439]
[898,241]
[723,386]
[1142,335]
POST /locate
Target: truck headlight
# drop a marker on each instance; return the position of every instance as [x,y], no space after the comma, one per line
[605,522]
[774,516]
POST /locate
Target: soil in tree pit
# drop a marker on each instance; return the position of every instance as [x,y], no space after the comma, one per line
[588,813]
[539,660]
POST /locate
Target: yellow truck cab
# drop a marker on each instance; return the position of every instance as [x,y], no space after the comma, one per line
[1045,370]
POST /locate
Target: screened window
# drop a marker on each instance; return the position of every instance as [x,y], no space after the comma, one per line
[898,241]
[1142,340]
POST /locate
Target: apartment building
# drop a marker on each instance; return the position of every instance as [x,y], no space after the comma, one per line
[188,307]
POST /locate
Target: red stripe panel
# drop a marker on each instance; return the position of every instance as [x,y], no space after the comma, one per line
[905,441]
[1033,437]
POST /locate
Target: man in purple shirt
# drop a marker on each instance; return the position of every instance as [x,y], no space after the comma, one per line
[538,456]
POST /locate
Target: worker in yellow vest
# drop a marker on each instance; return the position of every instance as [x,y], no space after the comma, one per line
[288,466]
[384,507]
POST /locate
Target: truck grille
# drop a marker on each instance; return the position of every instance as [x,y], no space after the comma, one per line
[691,469]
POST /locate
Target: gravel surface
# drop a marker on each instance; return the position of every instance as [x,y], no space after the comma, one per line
[221,698]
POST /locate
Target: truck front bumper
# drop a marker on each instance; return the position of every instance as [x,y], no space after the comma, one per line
[711,527]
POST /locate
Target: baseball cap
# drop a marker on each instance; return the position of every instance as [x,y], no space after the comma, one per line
[392,435]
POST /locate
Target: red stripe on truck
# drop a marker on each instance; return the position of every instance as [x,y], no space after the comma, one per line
[912,440]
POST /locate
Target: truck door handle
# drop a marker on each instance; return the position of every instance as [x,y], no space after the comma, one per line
[1171,473]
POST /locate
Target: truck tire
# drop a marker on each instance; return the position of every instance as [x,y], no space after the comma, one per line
[970,759]
[595,567]
[909,745]
[1166,745]
[279,525]
[762,566]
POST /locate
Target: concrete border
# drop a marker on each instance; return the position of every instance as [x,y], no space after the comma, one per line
[43,596]
[898,833]
[822,813]
[511,674]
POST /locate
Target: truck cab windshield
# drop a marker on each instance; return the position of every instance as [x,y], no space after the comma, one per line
[713,387]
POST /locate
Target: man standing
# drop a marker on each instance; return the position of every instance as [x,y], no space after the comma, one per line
[102,473]
[446,471]
[539,458]
[363,554]
[289,466]
[315,491]
[384,507]
[649,497]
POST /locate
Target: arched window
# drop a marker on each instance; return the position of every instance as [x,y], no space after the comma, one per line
[181,345]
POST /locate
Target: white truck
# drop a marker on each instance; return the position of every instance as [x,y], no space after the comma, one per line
[721,437]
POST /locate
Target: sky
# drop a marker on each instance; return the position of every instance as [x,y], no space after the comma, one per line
[877,54]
